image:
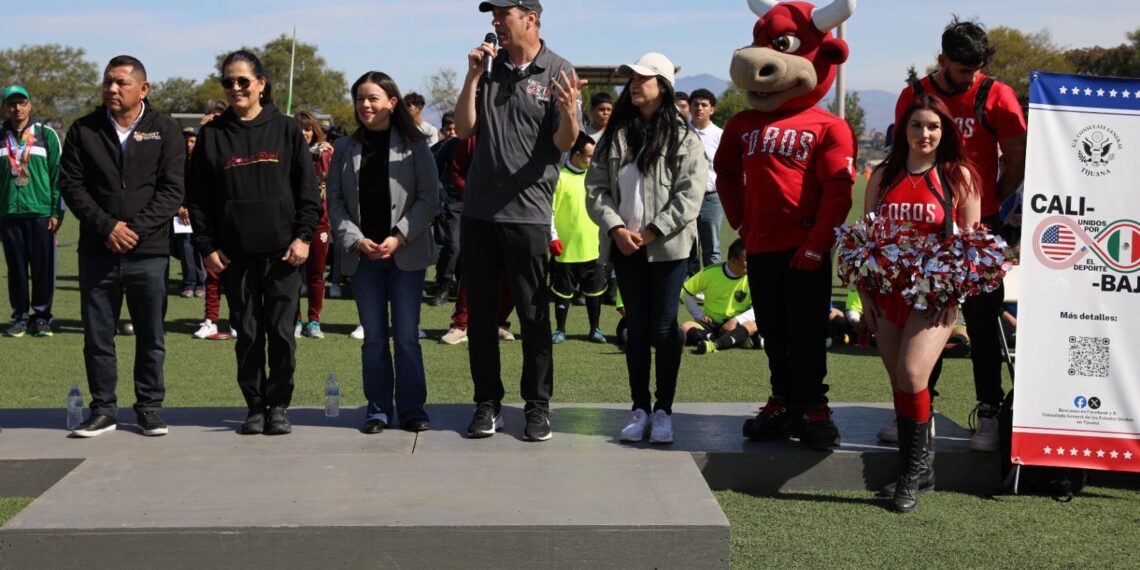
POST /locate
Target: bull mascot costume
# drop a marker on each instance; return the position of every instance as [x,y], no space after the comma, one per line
[785,169]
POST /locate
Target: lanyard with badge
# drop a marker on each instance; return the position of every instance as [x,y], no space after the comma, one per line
[18,155]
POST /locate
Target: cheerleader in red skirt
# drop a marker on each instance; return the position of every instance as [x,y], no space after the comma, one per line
[926,181]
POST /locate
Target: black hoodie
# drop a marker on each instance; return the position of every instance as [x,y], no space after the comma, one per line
[252,188]
[142,186]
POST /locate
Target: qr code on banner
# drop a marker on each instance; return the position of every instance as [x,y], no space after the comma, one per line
[1088,356]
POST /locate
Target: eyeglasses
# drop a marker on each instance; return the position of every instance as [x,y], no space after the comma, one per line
[241,82]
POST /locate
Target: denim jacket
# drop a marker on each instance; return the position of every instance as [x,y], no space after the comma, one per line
[672,194]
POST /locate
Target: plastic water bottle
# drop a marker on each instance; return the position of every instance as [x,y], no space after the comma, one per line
[74,407]
[332,397]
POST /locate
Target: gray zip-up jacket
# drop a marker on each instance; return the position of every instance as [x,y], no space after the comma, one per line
[672,195]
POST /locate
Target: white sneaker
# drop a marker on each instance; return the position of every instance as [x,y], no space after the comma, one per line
[985,436]
[233,332]
[505,334]
[638,425]
[454,336]
[297,329]
[357,333]
[662,430]
[206,329]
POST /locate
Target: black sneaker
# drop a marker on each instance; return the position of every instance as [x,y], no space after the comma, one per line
[373,427]
[17,329]
[537,424]
[151,423]
[817,431]
[96,424]
[278,422]
[254,423]
[486,422]
[440,296]
[40,328]
[773,422]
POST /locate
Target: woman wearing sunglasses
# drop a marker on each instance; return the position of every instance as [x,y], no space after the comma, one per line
[644,189]
[383,193]
[254,205]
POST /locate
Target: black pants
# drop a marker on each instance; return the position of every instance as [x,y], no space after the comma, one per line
[791,314]
[650,292]
[263,293]
[981,313]
[522,249]
[29,244]
[448,240]
[104,280]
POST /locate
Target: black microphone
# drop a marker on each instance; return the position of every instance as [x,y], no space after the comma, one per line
[487,59]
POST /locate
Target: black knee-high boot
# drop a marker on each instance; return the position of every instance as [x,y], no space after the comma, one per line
[915,466]
[926,479]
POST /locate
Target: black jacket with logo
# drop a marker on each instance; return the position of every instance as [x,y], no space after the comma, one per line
[252,187]
[141,185]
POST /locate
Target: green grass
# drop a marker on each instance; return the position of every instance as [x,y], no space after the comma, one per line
[841,529]
[9,506]
[792,530]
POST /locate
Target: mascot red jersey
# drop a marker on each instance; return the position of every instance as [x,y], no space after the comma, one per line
[784,174]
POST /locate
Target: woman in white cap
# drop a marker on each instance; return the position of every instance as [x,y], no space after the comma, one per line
[644,190]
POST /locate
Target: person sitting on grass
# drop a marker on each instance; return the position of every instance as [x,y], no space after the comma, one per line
[726,320]
[574,265]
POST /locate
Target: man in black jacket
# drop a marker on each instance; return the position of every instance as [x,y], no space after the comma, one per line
[121,174]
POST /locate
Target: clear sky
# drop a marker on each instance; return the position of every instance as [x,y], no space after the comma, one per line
[412,39]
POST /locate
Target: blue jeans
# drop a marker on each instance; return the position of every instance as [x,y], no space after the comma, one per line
[708,229]
[103,282]
[193,273]
[651,292]
[381,287]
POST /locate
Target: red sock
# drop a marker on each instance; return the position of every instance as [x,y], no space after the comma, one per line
[913,406]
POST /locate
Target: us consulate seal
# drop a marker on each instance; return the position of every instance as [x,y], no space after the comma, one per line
[1096,147]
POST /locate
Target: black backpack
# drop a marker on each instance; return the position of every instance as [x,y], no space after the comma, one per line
[979,100]
[1061,483]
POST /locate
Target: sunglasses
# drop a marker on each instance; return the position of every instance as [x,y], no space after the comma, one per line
[241,82]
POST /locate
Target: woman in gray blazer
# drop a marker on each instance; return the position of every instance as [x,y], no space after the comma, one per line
[383,192]
[644,190]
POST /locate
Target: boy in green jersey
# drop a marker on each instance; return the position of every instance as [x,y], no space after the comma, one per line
[574,245]
[726,320]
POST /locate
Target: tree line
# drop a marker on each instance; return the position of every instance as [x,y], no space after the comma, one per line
[65,85]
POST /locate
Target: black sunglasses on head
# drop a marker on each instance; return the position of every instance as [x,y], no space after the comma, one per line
[241,82]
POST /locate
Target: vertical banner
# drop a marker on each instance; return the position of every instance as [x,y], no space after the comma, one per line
[1077,402]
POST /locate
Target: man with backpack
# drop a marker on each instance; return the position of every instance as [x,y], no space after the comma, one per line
[990,119]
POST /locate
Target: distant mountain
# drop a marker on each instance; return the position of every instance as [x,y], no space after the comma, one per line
[878,108]
[878,105]
[703,81]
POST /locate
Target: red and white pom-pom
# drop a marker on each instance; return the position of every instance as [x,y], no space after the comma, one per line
[931,273]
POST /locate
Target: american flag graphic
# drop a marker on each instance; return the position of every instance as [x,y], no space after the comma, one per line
[1058,242]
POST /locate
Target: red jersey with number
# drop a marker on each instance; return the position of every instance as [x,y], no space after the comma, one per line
[912,199]
[1002,112]
[785,180]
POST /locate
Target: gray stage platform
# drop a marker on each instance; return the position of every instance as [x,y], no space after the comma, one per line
[708,432]
[327,495]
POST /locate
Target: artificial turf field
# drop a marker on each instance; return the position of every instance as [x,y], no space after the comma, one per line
[1100,528]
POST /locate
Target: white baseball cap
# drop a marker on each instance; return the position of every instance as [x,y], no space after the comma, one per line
[649,65]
